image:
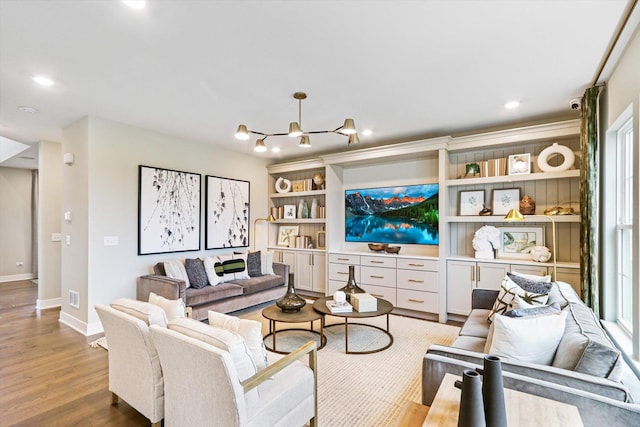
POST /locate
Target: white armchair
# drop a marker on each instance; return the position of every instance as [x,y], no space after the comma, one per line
[135,375]
[202,386]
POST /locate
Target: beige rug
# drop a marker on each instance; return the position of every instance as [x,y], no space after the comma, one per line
[367,390]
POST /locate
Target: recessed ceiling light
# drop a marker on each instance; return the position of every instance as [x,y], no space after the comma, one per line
[511,105]
[135,4]
[29,110]
[275,150]
[367,132]
[43,80]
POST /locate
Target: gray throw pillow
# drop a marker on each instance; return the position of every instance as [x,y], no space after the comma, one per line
[254,265]
[529,285]
[196,272]
[534,311]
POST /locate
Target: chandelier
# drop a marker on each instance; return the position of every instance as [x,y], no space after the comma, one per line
[295,130]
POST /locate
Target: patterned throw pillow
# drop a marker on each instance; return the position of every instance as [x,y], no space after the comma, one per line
[254,264]
[196,272]
[508,291]
[240,271]
[210,268]
[533,311]
[529,285]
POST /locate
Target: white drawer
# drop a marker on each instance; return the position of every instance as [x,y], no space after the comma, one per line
[333,286]
[381,292]
[378,261]
[418,280]
[378,276]
[340,272]
[344,259]
[418,264]
[418,301]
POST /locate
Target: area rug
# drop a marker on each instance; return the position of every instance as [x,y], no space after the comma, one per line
[370,389]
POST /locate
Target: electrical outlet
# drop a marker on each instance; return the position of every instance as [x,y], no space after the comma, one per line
[74,299]
[56,237]
[111,240]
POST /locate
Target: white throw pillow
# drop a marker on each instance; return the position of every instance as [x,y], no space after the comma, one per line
[226,277]
[249,330]
[529,339]
[223,339]
[209,268]
[175,270]
[149,313]
[266,262]
[173,308]
[508,291]
[244,274]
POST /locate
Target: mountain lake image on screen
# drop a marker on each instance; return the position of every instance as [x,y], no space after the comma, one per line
[397,215]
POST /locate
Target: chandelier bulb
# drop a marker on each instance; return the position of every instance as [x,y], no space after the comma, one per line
[242,133]
[294,130]
[349,127]
[353,139]
[305,142]
[260,146]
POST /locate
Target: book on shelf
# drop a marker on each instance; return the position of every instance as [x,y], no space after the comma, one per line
[335,308]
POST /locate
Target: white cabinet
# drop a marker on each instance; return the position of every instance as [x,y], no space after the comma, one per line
[464,276]
[310,271]
[286,257]
[536,270]
[406,282]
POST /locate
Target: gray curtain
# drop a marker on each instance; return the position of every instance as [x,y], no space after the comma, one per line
[589,196]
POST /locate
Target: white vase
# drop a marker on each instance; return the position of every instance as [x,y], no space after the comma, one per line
[314,208]
[300,205]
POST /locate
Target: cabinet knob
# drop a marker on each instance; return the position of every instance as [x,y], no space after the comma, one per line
[416,300]
[343,259]
[416,281]
[416,265]
[376,277]
[376,262]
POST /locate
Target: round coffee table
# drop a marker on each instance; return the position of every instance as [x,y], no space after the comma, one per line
[384,308]
[306,314]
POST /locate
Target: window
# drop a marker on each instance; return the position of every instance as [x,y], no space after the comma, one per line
[624,223]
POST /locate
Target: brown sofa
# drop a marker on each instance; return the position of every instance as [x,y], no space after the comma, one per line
[224,297]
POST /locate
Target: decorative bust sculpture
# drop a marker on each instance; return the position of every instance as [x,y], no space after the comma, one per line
[540,253]
[485,241]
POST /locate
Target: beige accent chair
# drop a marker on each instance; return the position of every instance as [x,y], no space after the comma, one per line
[202,386]
[135,375]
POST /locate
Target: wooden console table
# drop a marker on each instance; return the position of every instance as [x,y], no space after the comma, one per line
[523,410]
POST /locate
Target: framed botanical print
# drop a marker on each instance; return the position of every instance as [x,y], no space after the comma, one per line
[505,200]
[286,234]
[471,202]
[168,210]
[227,213]
[517,242]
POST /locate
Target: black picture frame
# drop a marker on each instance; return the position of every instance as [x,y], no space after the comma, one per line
[227,213]
[169,210]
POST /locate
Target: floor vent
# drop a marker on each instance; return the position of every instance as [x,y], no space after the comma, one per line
[74,299]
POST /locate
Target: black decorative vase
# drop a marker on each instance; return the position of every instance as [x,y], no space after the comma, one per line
[493,392]
[291,302]
[351,287]
[471,407]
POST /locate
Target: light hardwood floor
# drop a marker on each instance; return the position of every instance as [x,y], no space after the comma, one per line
[49,375]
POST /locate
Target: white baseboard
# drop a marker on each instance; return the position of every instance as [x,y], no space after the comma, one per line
[16,277]
[86,329]
[43,304]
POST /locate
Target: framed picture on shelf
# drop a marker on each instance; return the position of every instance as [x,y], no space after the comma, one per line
[289,212]
[516,242]
[286,235]
[519,164]
[471,202]
[505,200]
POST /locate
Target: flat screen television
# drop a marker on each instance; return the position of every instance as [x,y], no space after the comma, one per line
[396,215]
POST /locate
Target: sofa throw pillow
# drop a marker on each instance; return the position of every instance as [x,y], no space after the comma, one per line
[522,309]
[254,267]
[225,268]
[249,330]
[535,277]
[221,338]
[266,262]
[209,264]
[532,339]
[149,313]
[508,290]
[530,285]
[240,271]
[172,308]
[175,269]
[196,272]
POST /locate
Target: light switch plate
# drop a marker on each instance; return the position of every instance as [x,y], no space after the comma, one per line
[111,240]
[56,237]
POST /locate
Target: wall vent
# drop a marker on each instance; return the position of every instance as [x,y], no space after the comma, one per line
[74,299]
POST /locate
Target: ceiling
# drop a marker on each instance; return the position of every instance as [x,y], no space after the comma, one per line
[197,69]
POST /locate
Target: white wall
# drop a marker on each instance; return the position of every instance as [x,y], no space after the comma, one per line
[114,153]
[15,224]
[49,221]
[623,87]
